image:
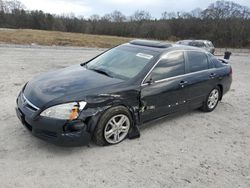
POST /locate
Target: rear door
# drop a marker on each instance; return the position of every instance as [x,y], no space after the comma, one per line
[166,91]
[200,77]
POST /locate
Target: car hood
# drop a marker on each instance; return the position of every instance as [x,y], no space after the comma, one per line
[65,82]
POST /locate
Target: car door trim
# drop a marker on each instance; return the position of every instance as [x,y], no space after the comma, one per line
[174,77]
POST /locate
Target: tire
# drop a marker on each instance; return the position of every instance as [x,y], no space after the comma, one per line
[212,100]
[110,125]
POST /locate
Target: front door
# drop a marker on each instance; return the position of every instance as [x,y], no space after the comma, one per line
[164,91]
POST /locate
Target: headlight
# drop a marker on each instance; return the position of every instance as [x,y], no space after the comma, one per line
[67,111]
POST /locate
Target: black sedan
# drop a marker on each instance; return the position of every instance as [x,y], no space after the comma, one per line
[107,98]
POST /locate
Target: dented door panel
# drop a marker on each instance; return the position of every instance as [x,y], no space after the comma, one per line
[159,99]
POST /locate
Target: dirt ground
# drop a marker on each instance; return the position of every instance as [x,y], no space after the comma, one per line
[193,149]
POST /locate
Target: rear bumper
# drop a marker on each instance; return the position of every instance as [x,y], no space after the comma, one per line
[227,84]
[52,130]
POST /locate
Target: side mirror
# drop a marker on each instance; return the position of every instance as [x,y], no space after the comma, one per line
[149,81]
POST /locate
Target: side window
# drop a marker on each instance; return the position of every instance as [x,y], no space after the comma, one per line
[197,61]
[211,60]
[172,65]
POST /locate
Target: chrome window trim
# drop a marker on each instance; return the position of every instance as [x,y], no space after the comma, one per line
[164,57]
[171,78]
[29,103]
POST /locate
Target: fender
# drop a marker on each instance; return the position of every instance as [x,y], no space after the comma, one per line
[91,116]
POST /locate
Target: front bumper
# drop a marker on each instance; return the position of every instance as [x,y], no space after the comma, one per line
[51,130]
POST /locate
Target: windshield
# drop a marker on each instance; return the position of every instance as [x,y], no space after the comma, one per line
[210,44]
[184,42]
[122,62]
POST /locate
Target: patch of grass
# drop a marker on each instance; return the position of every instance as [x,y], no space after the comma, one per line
[41,37]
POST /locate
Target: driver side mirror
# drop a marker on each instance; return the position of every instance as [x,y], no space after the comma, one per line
[149,81]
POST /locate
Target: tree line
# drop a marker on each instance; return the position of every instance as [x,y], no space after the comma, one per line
[225,23]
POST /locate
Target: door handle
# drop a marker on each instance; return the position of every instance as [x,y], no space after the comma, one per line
[183,83]
[212,75]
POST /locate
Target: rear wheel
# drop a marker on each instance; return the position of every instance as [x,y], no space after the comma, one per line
[212,100]
[113,126]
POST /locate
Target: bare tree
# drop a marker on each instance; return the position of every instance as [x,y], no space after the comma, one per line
[94,17]
[117,16]
[107,17]
[196,13]
[141,15]
[1,6]
[168,15]
[9,6]
[226,9]
[224,22]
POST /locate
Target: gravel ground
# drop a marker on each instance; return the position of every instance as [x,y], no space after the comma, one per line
[193,149]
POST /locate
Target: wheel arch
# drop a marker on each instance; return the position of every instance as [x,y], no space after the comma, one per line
[92,121]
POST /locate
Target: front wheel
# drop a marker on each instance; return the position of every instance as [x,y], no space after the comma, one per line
[212,100]
[113,126]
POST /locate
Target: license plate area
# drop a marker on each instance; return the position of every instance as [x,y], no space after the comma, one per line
[20,115]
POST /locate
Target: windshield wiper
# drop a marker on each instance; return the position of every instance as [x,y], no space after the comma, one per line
[84,64]
[101,72]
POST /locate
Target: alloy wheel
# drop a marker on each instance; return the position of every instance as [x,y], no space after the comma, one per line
[213,98]
[116,129]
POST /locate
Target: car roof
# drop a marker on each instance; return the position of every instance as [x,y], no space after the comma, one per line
[182,41]
[194,40]
[160,46]
[186,47]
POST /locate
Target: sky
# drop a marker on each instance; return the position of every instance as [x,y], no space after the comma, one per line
[87,8]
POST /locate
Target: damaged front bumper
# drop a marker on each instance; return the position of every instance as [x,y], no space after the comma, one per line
[59,132]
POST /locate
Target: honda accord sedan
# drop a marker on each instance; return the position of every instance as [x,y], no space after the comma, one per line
[109,97]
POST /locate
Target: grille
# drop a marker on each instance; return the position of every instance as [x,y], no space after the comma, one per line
[28,104]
